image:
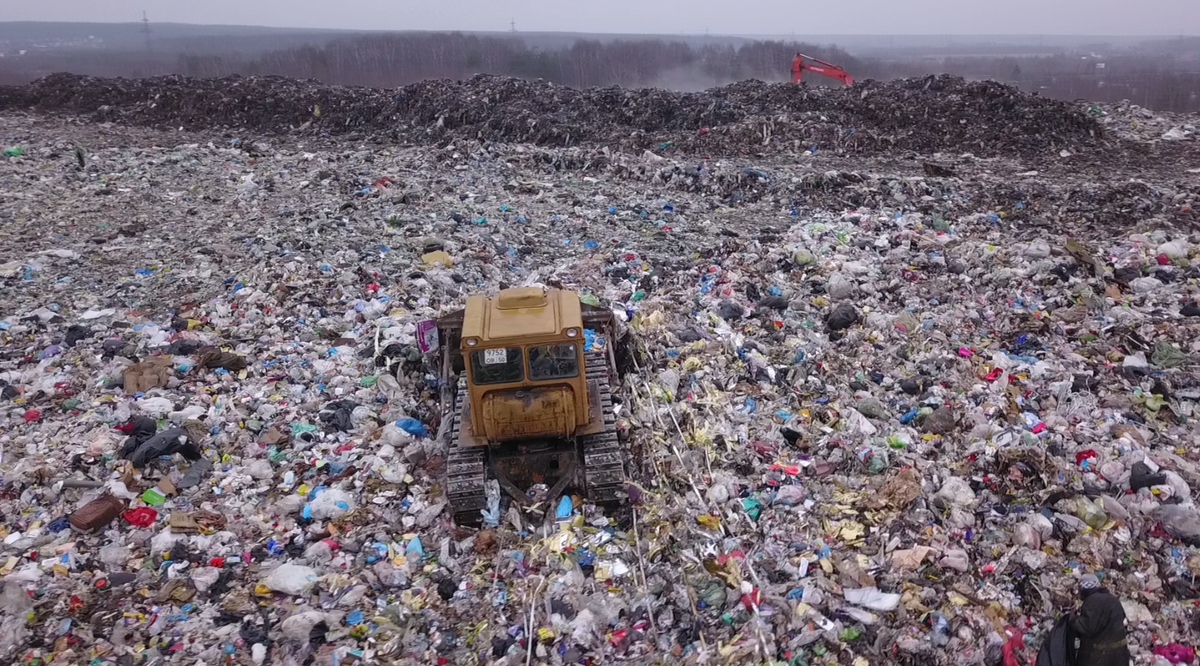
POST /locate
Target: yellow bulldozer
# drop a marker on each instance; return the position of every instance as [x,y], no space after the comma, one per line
[529,373]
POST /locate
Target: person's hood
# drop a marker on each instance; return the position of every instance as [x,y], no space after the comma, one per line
[1084,594]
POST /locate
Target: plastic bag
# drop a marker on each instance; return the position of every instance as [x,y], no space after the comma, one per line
[292,579]
[956,492]
[331,503]
[114,555]
[789,495]
[840,287]
[1181,522]
[412,427]
[565,507]
[873,598]
[205,577]
[1088,512]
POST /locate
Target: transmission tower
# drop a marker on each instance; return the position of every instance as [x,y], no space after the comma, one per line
[146,29]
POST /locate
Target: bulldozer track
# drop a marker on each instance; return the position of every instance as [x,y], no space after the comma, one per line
[601,453]
[466,469]
[603,458]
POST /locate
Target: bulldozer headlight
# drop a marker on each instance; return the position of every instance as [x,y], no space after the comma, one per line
[572,332]
[471,342]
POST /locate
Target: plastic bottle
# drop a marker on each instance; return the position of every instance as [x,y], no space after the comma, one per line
[940,626]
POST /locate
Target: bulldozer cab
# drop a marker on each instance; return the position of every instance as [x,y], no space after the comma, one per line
[529,374]
[524,360]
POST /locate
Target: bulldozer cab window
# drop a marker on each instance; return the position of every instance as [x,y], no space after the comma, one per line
[497,366]
[553,362]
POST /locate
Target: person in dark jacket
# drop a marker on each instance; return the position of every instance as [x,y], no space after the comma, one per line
[1100,626]
[1058,649]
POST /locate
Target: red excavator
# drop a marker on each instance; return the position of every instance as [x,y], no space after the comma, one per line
[800,65]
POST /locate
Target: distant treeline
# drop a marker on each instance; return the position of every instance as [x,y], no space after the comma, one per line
[1155,82]
[388,60]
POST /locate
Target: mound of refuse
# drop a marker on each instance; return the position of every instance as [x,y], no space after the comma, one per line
[926,115]
[877,411]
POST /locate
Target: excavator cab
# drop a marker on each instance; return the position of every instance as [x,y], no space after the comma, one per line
[531,371]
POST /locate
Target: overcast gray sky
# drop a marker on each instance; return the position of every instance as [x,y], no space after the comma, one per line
[746,17]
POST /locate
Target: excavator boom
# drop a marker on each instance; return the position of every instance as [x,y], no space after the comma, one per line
[800,65]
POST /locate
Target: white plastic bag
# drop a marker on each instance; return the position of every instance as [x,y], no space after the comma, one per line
[292,579]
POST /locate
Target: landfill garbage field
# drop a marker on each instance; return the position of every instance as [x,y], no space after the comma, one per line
[898,365]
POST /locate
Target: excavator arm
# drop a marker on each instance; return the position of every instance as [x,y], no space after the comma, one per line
[801,64]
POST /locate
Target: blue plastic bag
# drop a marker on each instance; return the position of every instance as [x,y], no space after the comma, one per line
[415,549]
[412,427]
[565,507]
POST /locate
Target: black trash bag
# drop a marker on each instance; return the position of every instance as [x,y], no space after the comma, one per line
[1141,477]
[774,303]
[252,633]
[316,635]
[112,346]
[165,443]
[195,474]
[729,311]
[842,317]
[75,333]
[184,347]
[446,589]
[337,415]
[143,429]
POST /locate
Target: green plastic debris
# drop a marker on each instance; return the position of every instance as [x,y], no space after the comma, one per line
[1167,355]
[752,507]
[299,428]
[849,634]
[153,497]
[368,381]
[896,442]
[589,299]
[1090,513]
[713,593]
[803,258]
[13,151]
